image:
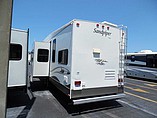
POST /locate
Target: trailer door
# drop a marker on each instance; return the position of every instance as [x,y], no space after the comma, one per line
[41,59]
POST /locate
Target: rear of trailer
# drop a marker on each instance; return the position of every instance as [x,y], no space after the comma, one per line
[97,72]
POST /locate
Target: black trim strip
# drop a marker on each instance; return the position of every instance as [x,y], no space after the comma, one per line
[27,80]
[95,92]
[55,81]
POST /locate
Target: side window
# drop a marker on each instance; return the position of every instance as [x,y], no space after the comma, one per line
[15,52]
[43,55]
[132,58]
[54,50]
[63,57]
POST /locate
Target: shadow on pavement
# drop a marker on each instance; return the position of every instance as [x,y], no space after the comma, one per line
[20,98]
[84,108]
[39,84]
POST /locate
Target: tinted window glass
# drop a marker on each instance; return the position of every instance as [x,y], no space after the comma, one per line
[43,55]
[63,56]
[54,50]
[15,52]
[133,58]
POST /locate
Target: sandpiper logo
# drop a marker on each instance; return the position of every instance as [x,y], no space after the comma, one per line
[102,32]
[100,61]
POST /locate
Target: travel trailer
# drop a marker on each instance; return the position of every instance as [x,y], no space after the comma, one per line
[142,64]
[18,56]
[84,59]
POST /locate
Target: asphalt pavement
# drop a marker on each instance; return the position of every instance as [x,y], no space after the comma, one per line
[140,102]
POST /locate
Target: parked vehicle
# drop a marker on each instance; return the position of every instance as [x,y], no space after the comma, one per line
[84,59]
[142,64]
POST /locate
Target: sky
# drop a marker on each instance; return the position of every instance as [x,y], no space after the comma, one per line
[45,16]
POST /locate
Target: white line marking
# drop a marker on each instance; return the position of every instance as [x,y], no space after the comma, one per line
[112,115]
[142,86]
[141,81]
[133,106]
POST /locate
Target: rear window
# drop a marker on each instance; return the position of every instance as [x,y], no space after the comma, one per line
[43,55]
[15,52]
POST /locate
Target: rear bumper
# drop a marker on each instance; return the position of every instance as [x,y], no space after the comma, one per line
[96,99]
[95,92]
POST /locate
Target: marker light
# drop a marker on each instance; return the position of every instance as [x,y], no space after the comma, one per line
[77,24]
[97,25]
[108,28]
[120,80]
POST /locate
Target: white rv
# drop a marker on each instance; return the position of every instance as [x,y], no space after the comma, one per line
[18,56]
[142,64]
[84,59]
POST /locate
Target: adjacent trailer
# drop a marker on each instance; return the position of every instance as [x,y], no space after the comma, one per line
[18,59]
[142,65]
[85,60]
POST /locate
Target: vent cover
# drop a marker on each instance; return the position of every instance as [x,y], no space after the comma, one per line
[110,74]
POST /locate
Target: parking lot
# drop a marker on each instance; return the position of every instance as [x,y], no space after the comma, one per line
[140,102]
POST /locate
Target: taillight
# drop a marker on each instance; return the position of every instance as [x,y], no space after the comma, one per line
[120,81]
[77,83]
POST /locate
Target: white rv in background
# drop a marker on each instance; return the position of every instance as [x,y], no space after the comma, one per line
[84,59]
[142,65]
[18,57]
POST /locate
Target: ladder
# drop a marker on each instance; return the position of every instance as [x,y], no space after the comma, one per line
[122,51]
